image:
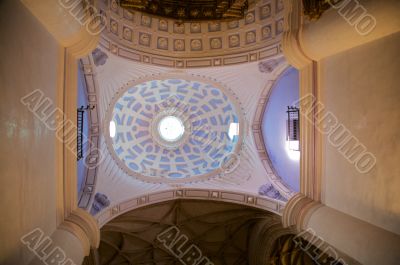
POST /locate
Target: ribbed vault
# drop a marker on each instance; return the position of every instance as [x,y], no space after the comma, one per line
[287,250]
[220,230]
[224,234]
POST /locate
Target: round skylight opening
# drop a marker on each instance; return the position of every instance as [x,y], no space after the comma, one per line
[171,128]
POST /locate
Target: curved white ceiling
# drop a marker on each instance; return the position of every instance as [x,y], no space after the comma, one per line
[246,83]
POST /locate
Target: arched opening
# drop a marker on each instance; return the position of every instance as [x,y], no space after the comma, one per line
[285,159]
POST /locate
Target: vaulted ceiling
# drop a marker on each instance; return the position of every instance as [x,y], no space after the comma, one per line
[219,74]
[124,90]
[162,41]
[213,232]
[221,231]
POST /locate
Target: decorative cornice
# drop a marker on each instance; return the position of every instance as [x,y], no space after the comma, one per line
[268,66]
[252,200]
[93,158]
[298,210]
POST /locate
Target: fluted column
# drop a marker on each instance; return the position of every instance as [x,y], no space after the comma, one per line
[363,242]
[69,244]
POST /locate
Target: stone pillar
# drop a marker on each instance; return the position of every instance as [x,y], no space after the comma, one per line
[310,137]
[69,244]
[347,24]
[363,242]
[76,25]
[70,22]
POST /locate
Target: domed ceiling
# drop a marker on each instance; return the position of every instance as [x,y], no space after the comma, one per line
[172,130]
[177,133]
[159,40]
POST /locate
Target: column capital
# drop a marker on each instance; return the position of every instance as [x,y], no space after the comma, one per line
[83,226]
[298,210]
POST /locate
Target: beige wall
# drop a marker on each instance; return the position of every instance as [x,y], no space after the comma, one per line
[27,161]
[361,86]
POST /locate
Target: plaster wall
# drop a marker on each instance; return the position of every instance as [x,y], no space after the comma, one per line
[27,162]
[361,87]
[351,24]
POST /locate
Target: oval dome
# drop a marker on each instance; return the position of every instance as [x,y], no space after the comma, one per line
[171,130]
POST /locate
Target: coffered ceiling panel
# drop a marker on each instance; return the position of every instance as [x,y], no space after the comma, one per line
[167,42]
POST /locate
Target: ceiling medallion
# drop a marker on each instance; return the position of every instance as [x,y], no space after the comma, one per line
[189,10]
[174,128]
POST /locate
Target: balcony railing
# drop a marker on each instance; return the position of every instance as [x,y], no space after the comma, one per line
[80,136]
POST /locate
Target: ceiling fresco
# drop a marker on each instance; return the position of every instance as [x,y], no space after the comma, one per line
[206,120]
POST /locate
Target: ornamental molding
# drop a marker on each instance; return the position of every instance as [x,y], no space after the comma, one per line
[298,211]
[166,42]
[252,200]
[311,166]
[291,40]
[93,158]
[81,224]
